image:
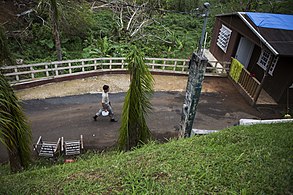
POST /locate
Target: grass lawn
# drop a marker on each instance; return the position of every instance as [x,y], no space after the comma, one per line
[240,160]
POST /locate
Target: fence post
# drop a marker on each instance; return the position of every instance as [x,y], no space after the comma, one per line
[56,69]
[175,64]
[47,72]
[82,64]
[32,73]
[16,76]
[69,65]
[183,66]
[95,64]
[216,68]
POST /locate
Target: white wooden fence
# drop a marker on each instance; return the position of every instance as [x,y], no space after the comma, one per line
[20,74]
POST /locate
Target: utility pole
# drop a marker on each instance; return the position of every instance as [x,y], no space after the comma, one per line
[197,67]
[203,32]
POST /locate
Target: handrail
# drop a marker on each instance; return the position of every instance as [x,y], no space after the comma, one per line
[18,74]
[248,82]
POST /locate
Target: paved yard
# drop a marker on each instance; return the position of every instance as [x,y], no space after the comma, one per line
[66,109]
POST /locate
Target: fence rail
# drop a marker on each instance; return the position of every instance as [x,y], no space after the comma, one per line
[249,83]
[19,74]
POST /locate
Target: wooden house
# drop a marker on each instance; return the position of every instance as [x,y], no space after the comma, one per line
[263,44]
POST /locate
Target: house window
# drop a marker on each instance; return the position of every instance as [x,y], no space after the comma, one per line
[224,37]
[264,59]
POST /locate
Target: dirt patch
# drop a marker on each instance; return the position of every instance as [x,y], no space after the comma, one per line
[118,83]
[92,85]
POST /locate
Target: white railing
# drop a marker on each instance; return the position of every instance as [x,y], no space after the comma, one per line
[19,74]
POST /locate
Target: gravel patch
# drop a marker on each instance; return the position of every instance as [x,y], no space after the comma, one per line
[118,83]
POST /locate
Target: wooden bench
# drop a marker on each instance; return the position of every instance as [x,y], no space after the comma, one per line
[72,147]
[46,148]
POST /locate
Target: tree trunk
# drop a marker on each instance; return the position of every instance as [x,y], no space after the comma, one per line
[55,29]
[57,42]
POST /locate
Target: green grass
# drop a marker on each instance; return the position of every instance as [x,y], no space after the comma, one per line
[240,160]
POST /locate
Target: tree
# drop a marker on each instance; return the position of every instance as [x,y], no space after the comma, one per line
[15,133]
[55,28]
[131,18]
[5,57]
[54,17]
[273,6]
[134,130]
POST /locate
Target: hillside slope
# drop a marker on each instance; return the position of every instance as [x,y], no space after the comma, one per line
[249,160]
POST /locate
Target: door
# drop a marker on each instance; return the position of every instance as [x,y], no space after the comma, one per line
[244,51]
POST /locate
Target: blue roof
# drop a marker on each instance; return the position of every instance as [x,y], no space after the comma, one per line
[268,20]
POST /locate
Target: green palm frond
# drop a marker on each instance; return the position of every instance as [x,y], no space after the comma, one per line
[15,132]
[134,129]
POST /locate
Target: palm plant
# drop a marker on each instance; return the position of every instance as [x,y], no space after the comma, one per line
[134,130]
[15,133]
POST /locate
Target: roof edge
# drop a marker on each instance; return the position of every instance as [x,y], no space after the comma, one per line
[256,33]
[227,14]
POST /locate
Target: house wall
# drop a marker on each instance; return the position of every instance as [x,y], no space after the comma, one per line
[238,28]
[253,67]
[283,99]
[216,50]
[276,86]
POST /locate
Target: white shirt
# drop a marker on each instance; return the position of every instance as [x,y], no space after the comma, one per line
[105,98]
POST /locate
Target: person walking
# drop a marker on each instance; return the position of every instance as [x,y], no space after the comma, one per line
[106,106]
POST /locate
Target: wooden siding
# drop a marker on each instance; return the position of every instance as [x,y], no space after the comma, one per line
[277,85]
[282,78]
[238,28]
[253,67]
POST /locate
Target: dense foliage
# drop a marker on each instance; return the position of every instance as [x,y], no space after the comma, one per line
[240,160]
[159,28]
[15,132]
[5,54]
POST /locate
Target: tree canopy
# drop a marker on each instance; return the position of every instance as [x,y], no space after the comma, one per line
[107,28]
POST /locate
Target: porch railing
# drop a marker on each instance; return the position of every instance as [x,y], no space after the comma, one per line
[19,74]
[243,77]
[248,82]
